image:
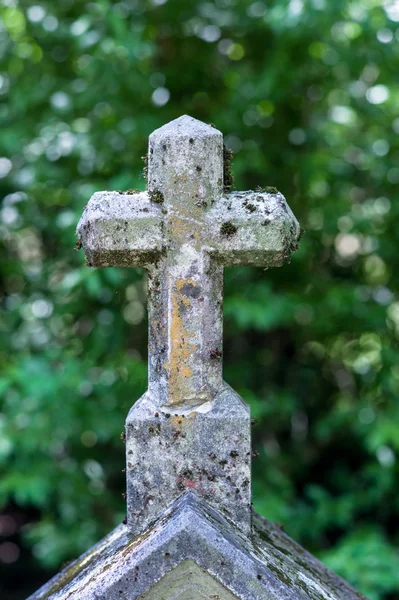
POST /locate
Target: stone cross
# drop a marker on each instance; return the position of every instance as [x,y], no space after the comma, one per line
[190,430]
[190,531]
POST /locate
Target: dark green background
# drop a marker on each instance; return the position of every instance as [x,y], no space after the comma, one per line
[306,93]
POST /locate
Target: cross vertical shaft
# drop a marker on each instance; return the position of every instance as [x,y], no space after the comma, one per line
[185,330]
[185,166]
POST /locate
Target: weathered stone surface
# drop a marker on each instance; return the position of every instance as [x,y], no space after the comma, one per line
[188,582]
[206,450]
[266,231]
[267,566]
[184,231]
[121,230]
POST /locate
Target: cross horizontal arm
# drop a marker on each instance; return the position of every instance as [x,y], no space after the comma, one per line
[253,229]
[121,230]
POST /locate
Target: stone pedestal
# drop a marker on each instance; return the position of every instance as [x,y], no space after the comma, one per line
[205,450]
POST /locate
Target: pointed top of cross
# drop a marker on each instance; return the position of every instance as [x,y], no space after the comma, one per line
[185,126]
[185,166]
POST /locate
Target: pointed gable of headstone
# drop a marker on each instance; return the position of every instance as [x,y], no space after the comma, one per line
[190,531]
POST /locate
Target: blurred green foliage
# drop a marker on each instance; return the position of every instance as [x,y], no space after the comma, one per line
[306,92]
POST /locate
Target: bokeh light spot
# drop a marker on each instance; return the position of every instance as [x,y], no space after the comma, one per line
[377,94]
[160,96]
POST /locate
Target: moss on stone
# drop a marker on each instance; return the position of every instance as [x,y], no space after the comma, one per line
[125,258]
[132,191]
[281,575]
[228,178]
[145,168]
[268,189]
[72,570]
[228,228]
[156,196]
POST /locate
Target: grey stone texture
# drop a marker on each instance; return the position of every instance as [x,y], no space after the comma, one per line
[187,581]
[206,450]
[190,531]
[267,565]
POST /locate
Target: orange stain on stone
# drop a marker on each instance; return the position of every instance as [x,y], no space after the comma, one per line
[181,348]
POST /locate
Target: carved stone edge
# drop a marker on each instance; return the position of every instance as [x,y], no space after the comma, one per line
[268,566]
